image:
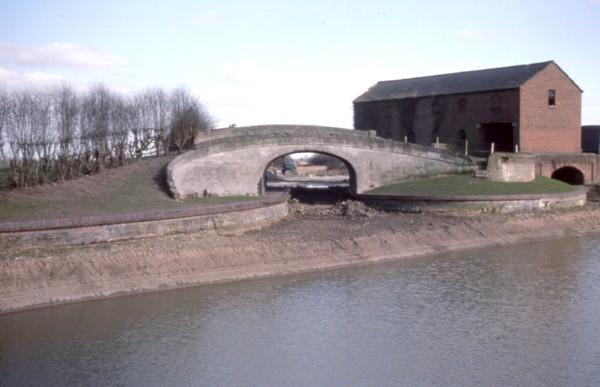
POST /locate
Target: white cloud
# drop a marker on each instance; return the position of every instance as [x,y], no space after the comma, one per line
[468,34]
[58,55]
[207,19]
[249,93]
[14,80]
[591,109]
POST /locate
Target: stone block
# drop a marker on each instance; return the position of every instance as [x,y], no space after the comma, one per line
[511,167]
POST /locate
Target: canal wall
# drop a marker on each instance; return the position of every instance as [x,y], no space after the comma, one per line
[485,203]
[233,218]
[40,277]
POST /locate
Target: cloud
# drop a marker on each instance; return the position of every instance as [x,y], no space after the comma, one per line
[251,93]
[468,34]
[58,55]
[591,110]
[14,80]
[206,19]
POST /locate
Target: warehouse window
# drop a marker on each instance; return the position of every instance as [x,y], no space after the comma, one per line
[551,97]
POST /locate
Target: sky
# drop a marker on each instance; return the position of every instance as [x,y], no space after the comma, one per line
[296,62]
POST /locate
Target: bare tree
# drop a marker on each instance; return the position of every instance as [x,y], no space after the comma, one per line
[95,126]
[66,114]
[161,118]
[187,117]
[120,127]
[142,128]
[57,134]
[44,135]
[3,113]
[29,136]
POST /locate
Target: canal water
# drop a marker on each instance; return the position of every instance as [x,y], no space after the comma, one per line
[526,315]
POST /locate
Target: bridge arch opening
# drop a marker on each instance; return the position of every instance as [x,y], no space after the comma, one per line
[311,176]
[570,175]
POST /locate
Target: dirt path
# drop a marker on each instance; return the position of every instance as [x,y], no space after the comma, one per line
[313,238]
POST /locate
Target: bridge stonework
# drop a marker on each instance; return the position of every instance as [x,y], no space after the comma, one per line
[233,161]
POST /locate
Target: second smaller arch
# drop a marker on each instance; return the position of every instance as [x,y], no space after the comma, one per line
[570,175]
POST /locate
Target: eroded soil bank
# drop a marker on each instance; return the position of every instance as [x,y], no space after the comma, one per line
[312,238]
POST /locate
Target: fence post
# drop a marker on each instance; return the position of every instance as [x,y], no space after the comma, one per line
[405,139]
[466,146]
[437,142]
[492,149]
[516,148]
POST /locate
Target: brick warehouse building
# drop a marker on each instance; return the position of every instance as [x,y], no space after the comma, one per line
[536,106]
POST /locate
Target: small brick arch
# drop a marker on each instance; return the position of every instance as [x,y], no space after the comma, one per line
[586,163]
[569,174]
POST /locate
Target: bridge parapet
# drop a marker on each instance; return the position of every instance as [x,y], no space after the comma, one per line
[235,138]
[232,161]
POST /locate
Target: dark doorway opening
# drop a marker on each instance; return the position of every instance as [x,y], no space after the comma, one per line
[570,175]
[499,133]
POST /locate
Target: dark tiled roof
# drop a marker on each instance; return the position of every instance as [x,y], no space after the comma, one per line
[501,78]
[591,127]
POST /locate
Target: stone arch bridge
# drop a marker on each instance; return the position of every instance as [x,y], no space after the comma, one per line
[233,161]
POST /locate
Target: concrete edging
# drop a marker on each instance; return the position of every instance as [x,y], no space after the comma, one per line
[132,217]
[231,217]
[491,203]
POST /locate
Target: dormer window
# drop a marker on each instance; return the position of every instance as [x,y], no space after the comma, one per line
[551,97]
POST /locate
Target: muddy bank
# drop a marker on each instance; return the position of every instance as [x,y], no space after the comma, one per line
[313,238]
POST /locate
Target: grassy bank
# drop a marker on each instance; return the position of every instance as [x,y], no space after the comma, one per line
[137,187]
[468,185]
[3,178]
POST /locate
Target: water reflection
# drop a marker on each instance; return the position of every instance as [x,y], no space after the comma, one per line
[520,316]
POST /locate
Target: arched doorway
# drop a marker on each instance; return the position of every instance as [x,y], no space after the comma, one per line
[310,175]
[570,175]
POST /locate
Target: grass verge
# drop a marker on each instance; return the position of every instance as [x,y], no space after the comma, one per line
[133,188]
[3,178]
[467,185]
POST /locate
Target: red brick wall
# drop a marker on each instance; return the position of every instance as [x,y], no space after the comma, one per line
[546,128]
[588,164]
[396,118]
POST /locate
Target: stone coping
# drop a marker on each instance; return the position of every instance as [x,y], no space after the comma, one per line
[142,216]
[473,198]
[258,135]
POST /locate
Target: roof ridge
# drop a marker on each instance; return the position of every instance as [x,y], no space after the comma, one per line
[470,71]
[496,78]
